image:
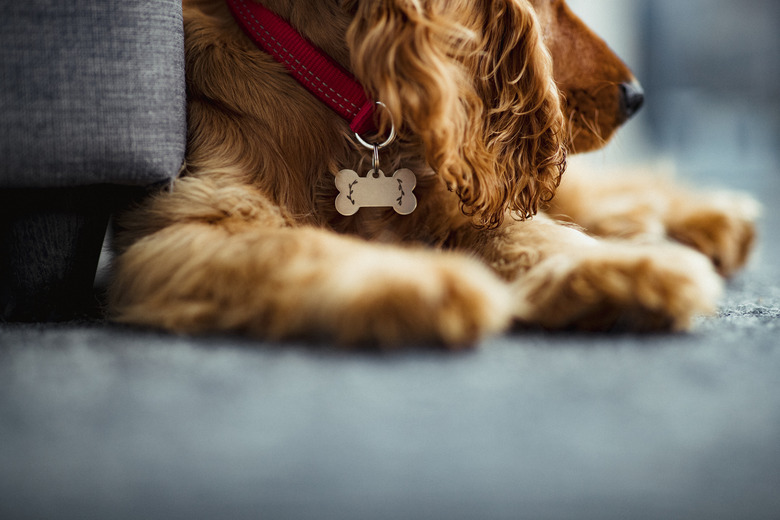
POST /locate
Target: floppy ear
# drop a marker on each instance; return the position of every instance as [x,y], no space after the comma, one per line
[526,126]
[474,83]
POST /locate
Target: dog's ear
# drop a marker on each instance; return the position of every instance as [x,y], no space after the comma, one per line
[410,54]
[474,83]
[526,126]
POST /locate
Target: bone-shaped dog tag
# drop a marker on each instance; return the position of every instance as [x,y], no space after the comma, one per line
[376,190]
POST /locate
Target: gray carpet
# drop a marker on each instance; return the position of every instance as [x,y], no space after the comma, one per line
[101,421]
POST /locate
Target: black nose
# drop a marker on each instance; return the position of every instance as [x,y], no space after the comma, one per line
[632,97]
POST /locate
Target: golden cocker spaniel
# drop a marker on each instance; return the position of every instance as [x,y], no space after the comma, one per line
[485,96]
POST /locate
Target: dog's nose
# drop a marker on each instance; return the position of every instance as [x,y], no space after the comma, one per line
[632,97]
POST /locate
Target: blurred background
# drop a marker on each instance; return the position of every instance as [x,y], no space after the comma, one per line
[711,72]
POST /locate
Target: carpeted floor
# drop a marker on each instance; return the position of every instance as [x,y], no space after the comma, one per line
[101,421]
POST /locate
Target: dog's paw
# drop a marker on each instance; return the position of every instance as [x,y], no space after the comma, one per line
[401,297]
[722,226]
[619,287]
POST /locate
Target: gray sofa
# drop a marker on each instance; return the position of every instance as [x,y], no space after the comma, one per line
[92,99]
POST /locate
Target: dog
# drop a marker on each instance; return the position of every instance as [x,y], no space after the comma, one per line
[485,98]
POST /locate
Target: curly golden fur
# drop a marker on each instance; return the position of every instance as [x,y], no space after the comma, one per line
[485,94]
[476,90]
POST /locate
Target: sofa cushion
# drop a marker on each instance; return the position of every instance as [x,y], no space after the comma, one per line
[91,92]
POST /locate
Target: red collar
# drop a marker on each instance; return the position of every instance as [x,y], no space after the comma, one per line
[313,69]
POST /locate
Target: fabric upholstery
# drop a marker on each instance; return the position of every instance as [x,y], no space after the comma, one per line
[91,92]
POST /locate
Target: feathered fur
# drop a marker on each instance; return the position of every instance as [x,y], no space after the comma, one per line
[249,240]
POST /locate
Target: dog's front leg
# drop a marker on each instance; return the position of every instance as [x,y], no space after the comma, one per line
[305,282]
[642,205]
[564,279]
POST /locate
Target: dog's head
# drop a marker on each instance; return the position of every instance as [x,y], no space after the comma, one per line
[477,82]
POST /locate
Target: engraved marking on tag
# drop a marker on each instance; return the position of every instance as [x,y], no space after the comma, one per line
[376,190]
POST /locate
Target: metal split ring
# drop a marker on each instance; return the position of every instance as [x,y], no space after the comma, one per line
[375,147]
[375,160]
